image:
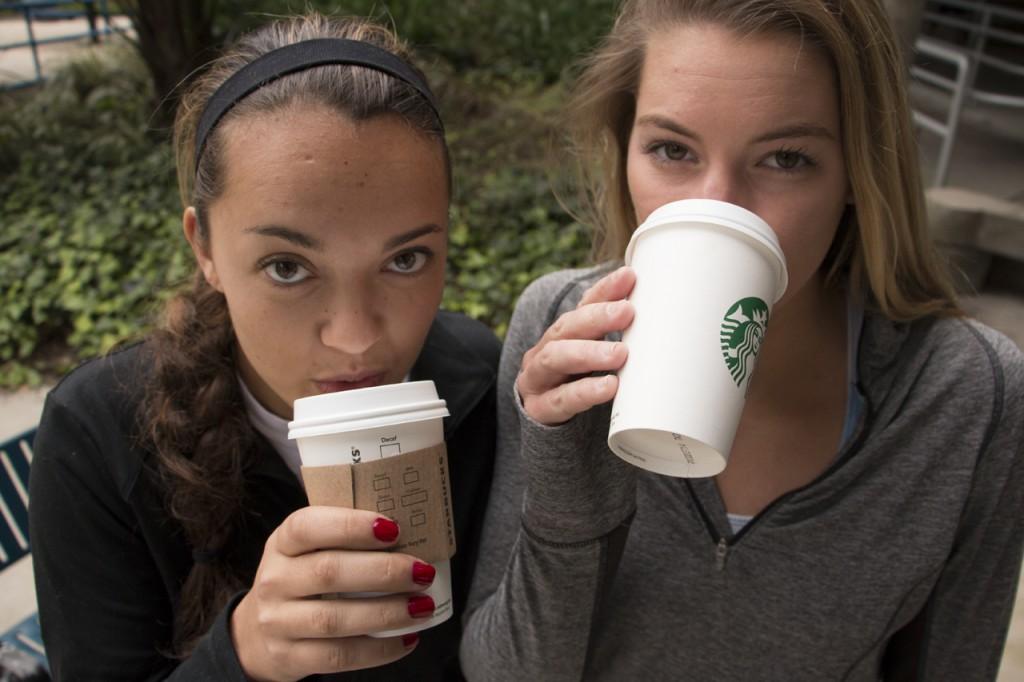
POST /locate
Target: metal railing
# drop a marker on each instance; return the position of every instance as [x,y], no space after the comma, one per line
[44,10]
[957,87]
[981,23]
[980,31]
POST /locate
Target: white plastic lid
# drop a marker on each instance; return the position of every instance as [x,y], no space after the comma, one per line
[722,214]
[365,408]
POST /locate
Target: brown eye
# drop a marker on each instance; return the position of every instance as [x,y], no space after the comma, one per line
[787,160]
[285,269]
[670,151]
[286,272]
[408,262]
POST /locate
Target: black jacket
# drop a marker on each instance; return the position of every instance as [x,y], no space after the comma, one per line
[109,562]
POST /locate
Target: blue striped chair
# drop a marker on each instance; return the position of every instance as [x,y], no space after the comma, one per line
[15,460]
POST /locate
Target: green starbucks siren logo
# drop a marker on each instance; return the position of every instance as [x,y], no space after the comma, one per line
[742,331]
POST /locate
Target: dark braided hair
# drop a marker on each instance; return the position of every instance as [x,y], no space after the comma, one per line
[192,413]
[196,423]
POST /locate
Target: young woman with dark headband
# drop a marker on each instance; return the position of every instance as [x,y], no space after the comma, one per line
[171,535]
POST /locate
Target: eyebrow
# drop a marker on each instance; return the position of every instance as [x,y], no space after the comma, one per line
[787,132]
[409,236]
[288,234]
[306,241]
[667,124]
[797,130]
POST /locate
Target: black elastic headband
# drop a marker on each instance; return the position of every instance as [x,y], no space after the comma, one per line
[298,57]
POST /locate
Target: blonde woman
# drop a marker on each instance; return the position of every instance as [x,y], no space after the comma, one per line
[868,525]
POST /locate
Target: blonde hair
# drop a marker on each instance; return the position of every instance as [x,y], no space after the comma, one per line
[883,244]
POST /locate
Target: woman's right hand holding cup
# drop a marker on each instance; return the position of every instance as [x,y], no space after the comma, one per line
[283,630]
[555,381]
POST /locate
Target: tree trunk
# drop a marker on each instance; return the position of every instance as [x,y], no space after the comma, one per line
[174,38]
[906,19]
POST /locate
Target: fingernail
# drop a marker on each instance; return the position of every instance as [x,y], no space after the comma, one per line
[385,530]
[610,349]
[410,639]
[616,307]
[422,574]
[420,606]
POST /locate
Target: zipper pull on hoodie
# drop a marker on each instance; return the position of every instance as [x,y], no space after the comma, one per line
[721,553]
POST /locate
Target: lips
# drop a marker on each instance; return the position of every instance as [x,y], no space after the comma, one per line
[335,384]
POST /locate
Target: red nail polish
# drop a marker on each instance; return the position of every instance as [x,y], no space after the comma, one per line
[385,530]
[420,606]
[423,574]
[410,640]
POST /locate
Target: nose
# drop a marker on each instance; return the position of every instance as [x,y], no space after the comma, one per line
[724,183]
[352,324]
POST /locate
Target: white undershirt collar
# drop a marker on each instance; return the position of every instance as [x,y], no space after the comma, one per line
[273,428]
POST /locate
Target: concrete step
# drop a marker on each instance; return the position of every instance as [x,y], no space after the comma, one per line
[972,228]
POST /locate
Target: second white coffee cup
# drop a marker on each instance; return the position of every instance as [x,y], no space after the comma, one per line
[707,276]
[364,424]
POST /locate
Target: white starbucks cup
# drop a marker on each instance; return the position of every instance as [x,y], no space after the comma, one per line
[707,275]
[365,424]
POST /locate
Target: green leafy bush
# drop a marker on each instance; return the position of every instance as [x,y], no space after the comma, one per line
[517,39]
[507,227]
[89,227]
[508,234]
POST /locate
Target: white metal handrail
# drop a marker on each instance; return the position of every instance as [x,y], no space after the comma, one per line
[980,31]
[957,87]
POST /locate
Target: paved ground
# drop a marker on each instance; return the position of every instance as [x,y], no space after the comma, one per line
[17,65]
[987,158]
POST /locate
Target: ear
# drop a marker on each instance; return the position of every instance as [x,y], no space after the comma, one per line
[190,226]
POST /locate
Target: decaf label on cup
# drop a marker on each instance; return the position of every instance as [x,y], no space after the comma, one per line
[742,332]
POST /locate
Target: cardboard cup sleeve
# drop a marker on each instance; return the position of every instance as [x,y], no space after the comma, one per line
[413,489]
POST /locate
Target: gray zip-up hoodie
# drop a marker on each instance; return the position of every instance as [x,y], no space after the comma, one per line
[898,562]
